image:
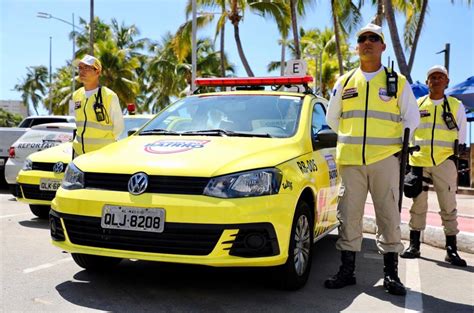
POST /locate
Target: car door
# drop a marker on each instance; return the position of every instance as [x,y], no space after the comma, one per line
[326,177]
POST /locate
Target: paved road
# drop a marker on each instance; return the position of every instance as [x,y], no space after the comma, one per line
[35,276]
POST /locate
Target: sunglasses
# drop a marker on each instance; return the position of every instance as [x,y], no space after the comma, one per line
[86,68]
[372,38]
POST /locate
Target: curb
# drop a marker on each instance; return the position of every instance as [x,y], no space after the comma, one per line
[433,236]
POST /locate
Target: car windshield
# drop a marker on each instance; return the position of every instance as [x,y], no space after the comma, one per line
[246,115]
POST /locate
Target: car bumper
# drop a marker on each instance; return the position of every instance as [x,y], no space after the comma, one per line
[29,186]
[12,167]
[221,227]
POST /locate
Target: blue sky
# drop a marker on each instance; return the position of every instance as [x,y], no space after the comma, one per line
[24,38]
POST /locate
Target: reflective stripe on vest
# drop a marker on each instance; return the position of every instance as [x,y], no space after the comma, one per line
[92,134]
[370,127]
[370,141]
[375,114]
[95,141]
[436,141]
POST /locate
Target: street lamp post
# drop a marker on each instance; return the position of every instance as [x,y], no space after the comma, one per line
[74,27]
[50,111]
[193,43]
[446,52]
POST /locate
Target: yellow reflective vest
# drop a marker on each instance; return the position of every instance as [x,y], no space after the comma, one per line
[370,127]
[92,134]
[436,141]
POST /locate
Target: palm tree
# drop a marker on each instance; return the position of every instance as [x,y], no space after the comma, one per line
[345,15]
[102,32]
[165,76]
[297,8]
[61,92]
[280,12]
[33,86]
[397,46]
[220,26]
[233,10]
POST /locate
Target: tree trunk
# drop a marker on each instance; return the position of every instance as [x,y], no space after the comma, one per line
[419,26]
[397,46]
[222,50]
[282,60]
[294,26]
[378,18]
[338,42]
[241,51]
[234,18]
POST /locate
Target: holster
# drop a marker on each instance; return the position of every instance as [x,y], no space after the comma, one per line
[413,183]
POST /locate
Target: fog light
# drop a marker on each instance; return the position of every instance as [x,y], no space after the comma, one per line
[52,225]
[254,241]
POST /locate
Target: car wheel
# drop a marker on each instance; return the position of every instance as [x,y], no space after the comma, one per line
[41,211]
[94,262]
[295,272]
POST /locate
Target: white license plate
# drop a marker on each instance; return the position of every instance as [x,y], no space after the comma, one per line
[131,218]
[2,162]
[49,184]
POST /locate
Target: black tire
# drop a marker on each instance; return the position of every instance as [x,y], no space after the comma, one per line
[295,272]
[95,262]
[41,211]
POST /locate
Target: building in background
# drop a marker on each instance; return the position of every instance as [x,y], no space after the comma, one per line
[14,106]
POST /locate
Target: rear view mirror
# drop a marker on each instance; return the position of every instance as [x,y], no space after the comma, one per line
[325,138]
[132,131]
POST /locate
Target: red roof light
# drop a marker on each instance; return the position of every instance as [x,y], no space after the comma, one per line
[254,81]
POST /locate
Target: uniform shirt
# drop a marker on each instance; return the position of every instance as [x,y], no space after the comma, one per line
[461,120]
[115,113]
[406,101]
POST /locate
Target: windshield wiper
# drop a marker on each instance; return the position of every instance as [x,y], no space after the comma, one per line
[158,131]
[223,132]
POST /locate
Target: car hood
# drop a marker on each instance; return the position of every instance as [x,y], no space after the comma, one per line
[203,156]
[59,153]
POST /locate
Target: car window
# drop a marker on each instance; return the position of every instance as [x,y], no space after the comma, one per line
[318,121]
[40,121]
[25,123]
[275,115]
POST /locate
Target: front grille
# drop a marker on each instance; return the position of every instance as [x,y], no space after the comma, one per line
[33,192]
[177,238]
[44,166]
[156,184]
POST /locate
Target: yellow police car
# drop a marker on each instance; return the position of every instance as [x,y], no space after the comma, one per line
[43,171]
[236,178]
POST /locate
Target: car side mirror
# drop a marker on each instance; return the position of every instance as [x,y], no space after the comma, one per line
[132,131]
[325,138]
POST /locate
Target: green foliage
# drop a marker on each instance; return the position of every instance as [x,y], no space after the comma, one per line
[8,119]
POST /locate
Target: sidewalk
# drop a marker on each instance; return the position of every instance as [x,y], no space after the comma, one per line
[433,234]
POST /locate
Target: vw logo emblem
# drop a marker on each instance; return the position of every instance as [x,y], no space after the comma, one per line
[58,167]
[137,183]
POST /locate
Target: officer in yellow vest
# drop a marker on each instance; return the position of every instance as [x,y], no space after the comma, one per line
[369,108]
[443,120]
[98,114]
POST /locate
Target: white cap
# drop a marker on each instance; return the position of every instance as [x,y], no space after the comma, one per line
[89,60]
[371,28]
[437,69]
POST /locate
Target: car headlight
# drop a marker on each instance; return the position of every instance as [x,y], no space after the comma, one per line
[73,178]
[246,184]
[28,165]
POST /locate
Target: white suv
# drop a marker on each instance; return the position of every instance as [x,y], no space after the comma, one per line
[38,138]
